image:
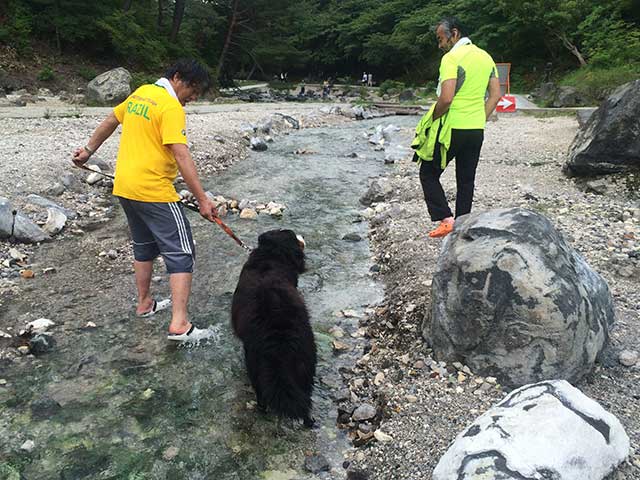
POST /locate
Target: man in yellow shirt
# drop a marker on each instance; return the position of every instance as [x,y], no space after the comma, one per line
[153,149]
[466,72]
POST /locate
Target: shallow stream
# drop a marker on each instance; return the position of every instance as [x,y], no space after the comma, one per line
[117,401]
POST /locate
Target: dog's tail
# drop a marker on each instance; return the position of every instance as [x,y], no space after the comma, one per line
[285,394]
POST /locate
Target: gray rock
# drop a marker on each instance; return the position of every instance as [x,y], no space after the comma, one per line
[628,358]
[512,300]
[41,343]
[316,464]
[25,231]
[609,142]
[352,237]
[406,96]
[549,430]
[48,204]
[598,187]
[28,446]
[568,97]
[583,116]
[99,162]
[70,181]
[546,92]
[56,189]
[377,192]
[110,87]
[364,412]
[44,408]
[258,144]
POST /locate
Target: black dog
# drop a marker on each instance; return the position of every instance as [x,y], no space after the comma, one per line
[270,317]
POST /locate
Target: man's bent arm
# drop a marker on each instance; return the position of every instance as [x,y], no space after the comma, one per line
[447,92]
[101,133]
[494,96]
[188,171]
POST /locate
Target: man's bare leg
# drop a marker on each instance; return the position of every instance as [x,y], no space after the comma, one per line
[180,284]
[143,271]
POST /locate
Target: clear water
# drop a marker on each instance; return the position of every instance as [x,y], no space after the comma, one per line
[128,396]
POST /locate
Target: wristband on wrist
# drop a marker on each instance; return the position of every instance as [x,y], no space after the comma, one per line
[88,150]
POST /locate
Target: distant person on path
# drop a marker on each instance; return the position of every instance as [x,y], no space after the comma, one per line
[153,148]
[466,72]
[365,78]
[302,91]
[325,89]
[370,79]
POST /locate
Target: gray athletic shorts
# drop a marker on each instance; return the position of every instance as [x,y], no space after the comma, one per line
[160,229]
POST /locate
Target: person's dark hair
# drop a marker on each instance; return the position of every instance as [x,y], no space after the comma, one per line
[192,72]
[449,23]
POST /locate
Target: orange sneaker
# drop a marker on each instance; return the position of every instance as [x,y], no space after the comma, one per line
[442,230]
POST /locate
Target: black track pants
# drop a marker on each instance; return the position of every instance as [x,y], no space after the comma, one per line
[465,148]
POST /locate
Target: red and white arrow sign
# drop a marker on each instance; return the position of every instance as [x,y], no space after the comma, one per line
[507,104]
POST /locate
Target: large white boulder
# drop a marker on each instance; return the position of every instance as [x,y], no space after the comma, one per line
[549,430]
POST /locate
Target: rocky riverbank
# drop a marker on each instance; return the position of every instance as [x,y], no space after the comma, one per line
[36,164]
[420,405]
[409,407]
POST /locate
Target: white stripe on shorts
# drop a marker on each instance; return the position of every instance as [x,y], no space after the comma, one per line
[182,231]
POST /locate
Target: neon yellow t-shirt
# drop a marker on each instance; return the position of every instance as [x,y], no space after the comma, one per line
[472,68]
[145,170]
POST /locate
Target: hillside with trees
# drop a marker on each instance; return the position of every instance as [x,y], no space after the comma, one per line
[592,44]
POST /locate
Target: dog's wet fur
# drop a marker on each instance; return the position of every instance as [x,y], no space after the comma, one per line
[269,315]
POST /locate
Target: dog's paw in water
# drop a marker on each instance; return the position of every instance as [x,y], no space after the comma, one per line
[269,315]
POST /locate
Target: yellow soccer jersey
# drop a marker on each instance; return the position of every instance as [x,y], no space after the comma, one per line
[145,170]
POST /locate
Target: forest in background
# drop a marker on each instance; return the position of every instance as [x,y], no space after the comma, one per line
[589,43]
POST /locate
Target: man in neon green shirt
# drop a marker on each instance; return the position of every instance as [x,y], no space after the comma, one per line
[466,72]
[153,149]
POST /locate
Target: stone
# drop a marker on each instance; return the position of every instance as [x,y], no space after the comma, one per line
[56,221]
[382,437]
[258,144]
[248,214]
[40,325]
[599,187]
[44,408]
[568,97]
[170,453]
[48,204]
[25,230]
[548,430]
[41,344]
[316,464]
[363,412]
[56,189]
[110,88]
[406,96]
[28,446]
[628,358]
[378,191]
[583,115]
[93,178]
[609,142]
[70,181]
[512,300]
[352,237]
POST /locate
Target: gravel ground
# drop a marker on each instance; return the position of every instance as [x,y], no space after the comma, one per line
[423,404]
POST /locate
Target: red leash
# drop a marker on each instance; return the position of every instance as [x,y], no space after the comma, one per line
[222,225]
